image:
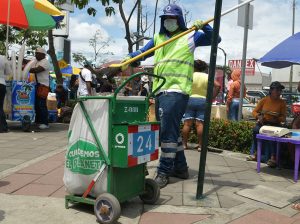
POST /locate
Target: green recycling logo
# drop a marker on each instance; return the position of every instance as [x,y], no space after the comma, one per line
[83,158]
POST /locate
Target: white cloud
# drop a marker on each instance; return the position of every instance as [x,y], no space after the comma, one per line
[108,20]
[81,32]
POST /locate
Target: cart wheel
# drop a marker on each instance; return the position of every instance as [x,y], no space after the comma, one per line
[26,123]
[107,208]
[152,192]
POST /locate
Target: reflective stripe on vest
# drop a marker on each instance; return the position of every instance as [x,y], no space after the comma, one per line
[175,62]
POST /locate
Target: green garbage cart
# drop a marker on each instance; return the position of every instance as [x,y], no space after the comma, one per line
[120,145]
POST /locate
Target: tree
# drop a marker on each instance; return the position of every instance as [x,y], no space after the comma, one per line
[51,51]
[110,10]
[79,58]
[99,45]
[126,23]
[19,36]
[145,25]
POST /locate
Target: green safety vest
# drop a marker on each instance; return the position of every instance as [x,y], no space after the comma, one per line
[175,62]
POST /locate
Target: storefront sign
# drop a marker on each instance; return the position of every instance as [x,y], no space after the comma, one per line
[237,64]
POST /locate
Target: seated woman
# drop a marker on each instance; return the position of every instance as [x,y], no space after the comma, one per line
[270,110]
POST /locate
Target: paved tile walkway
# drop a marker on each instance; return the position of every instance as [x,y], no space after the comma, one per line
[168,218]
[43,178]
[233,191]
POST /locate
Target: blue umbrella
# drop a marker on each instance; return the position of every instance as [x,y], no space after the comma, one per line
[285,54]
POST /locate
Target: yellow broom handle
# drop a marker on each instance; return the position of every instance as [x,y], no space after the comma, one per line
[175,38]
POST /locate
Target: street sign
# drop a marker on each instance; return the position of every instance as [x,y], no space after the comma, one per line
[242,14]
[237,64]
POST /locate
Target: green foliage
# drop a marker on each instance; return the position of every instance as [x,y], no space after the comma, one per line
[228,135]
[104,2]
[109,10]
[18,36]
[79,58]
[92,11]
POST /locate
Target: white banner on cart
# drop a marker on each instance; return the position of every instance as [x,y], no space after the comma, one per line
[83,159]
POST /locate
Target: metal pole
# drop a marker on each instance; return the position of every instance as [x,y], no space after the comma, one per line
[211,77]
[155,13]
[244,60]
[138,24]
[293,32]
[224,68]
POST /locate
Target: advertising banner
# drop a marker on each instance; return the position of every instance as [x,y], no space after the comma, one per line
[23,100]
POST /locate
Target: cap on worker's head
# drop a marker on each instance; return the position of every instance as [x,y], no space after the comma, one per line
[40,50]
[145,78]
[276,85]
[172,10]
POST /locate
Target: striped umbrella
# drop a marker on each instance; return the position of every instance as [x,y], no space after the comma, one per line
[29,14]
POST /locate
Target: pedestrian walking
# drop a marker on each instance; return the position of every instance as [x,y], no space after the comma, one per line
[175,62]
[85,80]
[197,103]
[233,97]
[144,88]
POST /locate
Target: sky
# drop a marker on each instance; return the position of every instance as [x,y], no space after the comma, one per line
[272,23]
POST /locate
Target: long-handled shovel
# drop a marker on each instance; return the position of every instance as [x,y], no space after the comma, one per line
[176,37]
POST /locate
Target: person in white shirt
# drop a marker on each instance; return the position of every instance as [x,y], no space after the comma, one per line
[41,71]
[85,80]
[5,70]
[144,86]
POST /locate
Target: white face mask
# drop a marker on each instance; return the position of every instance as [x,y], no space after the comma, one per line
[170,24]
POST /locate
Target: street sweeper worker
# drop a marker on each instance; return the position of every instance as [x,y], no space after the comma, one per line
[175,62]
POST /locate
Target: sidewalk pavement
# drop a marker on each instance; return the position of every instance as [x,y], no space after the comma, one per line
[32,191]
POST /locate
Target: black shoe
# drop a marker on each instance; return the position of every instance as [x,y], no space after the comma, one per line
[182,174]
[162,180]
[146,171]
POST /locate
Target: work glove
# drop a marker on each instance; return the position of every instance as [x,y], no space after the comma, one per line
[124,67]
[198,24]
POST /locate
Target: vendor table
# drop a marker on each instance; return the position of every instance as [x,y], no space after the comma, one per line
[279,140]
